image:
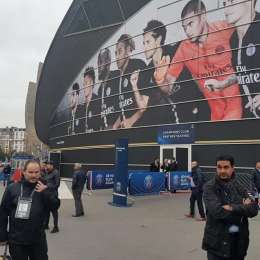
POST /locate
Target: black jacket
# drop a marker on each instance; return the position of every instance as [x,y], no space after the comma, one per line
[197,177]
[78,180]
[256,179]
[217,238]
[53,179]
[29,231]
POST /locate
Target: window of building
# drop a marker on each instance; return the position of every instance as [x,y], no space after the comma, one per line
[79,23]
[102,12]
[130,7]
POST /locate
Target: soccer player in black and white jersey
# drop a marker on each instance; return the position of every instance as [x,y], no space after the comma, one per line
[131,101]
[90,110]
[74,102]
[107,89]
[245,44]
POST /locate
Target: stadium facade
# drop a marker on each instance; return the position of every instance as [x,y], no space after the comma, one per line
[124,69]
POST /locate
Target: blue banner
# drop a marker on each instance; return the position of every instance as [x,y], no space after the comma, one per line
[176,134]
[144,183]
[101,180]
[179,181]
[121,173]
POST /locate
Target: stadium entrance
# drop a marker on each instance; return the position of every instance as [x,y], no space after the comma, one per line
[182,154]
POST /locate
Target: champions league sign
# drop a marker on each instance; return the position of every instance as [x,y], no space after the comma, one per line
[176,134]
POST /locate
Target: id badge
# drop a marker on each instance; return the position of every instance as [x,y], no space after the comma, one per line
[23,209]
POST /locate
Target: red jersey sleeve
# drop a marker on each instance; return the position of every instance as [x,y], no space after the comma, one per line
[177,63]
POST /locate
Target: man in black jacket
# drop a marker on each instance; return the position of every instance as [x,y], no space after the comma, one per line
[196,180]
[23,209]
[228,206]
[78,182]
[256,179]
[53,182]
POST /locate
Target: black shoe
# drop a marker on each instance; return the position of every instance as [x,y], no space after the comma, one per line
[76,215]
[55,230]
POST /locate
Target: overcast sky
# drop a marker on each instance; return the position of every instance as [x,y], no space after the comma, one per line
[27,30]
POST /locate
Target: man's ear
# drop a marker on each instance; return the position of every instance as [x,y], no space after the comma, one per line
[159,41]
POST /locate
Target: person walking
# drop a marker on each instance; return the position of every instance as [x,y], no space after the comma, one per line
[256,180]
[78,182]
[228,207]
[53,182]
[196,181]
[22,212]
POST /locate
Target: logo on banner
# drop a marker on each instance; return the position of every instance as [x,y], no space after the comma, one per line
[125,83]
[118,187]
[108,92]
[148,182]
[251,50]
[99,179]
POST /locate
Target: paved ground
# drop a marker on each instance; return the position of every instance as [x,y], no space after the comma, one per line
[153,229]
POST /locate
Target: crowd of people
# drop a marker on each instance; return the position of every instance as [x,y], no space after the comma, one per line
[26,206]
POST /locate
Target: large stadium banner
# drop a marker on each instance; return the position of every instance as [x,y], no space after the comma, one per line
[173,62]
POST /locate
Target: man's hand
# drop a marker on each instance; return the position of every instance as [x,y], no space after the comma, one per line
[134,79]
[247,201]
[4,243]
[214,85]
[162,69]
[126,123]
[254,104]
[227,207]
[40,187]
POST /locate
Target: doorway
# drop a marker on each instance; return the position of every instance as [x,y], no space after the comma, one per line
[182,154]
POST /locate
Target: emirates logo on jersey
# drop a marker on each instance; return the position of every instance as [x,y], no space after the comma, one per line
[219,49]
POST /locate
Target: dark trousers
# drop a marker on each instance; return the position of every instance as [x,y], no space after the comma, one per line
[78,201]
[196,196]
[215,257]
[55,216]
[37,251]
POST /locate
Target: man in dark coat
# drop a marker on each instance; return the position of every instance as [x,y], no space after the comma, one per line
[196,180]
[228,207]
[53,182]
[22,215]
[256,180]
[78,182]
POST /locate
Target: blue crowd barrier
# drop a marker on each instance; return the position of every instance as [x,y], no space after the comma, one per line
[179,180]
[144,183]
[101,179]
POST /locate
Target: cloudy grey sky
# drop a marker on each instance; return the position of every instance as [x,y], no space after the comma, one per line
[27,29]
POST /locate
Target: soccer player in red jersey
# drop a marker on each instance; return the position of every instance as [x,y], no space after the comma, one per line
[207,55]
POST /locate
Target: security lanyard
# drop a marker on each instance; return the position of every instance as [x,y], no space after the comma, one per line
[24,205]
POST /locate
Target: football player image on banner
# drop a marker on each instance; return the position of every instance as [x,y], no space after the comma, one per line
[245,43]
[75,111]
[205,54]
[173,62]
[131,102]
[154,49]
[109,80]
[90,110]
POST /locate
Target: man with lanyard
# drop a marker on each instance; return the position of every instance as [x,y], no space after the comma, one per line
[107,90]
[23,209]
[246,52]
[204,54]
[228,206]
[131,101]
